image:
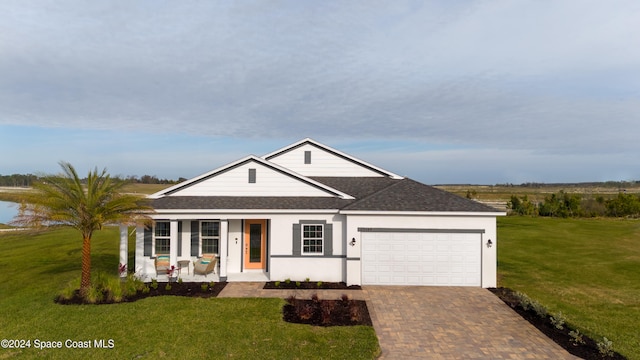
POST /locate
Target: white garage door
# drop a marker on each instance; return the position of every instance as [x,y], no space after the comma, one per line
[421,258]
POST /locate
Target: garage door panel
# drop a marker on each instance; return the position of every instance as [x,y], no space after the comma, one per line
[411,258]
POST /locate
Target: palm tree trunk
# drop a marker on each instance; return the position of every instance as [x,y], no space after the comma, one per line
[85,279]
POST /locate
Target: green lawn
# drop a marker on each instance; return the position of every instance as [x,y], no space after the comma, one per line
[587,268]
[37,266]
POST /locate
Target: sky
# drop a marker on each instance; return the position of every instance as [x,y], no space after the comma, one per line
[443,92]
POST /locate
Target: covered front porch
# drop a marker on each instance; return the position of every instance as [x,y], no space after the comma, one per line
[240,247]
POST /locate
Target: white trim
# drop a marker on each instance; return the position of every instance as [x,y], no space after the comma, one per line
[201,236]
[423,213]
[302,238]
[162,213]
[323,146]
[154,253]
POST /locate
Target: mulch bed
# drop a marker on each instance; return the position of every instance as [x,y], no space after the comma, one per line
[588,350]
[309,285]
[190,289]
[317,312]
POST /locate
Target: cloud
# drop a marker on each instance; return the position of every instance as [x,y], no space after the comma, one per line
[544,78]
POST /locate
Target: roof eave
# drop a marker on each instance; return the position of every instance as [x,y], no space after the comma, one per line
[424,213]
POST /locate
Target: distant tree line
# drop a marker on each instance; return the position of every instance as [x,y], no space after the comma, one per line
[151,179]
[20,180]
[607,184]
[566,205]
[17,180]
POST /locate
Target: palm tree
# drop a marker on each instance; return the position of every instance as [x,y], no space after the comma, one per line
[65,200]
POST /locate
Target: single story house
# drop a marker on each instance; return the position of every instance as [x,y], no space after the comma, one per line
[308,211]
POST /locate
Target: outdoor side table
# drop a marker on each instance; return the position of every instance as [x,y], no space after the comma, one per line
[183,264]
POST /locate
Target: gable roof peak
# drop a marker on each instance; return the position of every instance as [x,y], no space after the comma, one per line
[244,160]
[309,141]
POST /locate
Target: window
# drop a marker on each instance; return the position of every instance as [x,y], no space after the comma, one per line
[163,237]
[307,157]
[210,236]
[312,239]
[252,176]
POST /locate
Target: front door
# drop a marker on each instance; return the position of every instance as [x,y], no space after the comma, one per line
[254,244]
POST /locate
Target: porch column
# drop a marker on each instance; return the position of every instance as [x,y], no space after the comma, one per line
[124,250]
[140,260]
[224,238]
[173,243]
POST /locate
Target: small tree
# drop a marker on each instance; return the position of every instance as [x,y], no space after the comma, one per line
[65,200]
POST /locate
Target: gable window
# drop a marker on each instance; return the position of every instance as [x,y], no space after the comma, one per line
[312,239]
[252,176]
[162,234]
[210,236]
[307,157]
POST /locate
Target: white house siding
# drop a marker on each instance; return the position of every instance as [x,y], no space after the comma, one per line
[235,182]
[312,267]
[284,265]
[469,221]
[322,163]
[234,257]
[281,261]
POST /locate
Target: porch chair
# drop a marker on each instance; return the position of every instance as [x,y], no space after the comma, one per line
[162,264]
[206,264]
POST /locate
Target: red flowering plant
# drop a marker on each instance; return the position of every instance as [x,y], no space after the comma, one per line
[171,271]
[122,269]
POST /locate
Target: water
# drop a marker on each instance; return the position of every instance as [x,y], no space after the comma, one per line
[7,211]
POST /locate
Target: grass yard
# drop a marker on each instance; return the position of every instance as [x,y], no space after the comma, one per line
[587,268]
[37,266]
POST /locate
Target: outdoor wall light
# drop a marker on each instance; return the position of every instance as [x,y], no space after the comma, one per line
[352,242]
[489,243]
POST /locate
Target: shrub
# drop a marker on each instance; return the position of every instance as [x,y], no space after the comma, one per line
[523,300]
[319,284]
[539,309]
[93,295]
[287,281]
[154,284]
[69,291]
[605,347]
[297,283]
[277,283]
[168,286]
[304,310]
[576,337]
[558,320]
[306,279]
[204,286]
[529,304]
[113,289]
[326,308]
[354,312]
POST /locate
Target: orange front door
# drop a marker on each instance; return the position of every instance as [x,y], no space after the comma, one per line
[254,244]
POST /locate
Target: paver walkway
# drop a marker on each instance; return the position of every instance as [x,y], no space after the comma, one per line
[425,322]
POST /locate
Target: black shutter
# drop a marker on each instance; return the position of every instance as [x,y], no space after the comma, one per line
[179,238]
[148,242]
[328,240]
[297,239]
[195,238]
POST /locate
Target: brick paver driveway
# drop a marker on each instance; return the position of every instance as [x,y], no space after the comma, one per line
[453,323]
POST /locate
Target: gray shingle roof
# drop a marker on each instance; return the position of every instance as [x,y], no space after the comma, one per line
[371,194]
[410,195]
